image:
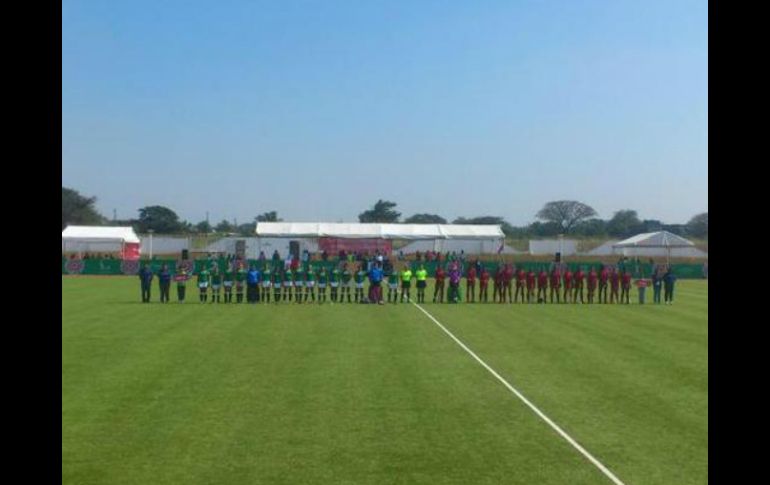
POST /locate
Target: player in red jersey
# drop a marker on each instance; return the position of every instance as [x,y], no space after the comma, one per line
[508,283]
[484,285]
[578,284]
[555,283]
[531,278]
[542,285]
[497,285]
[568,285]
[614,285]
[593,278]
[521,282]
[470,279]
[604,277]
[438,290]
[625,286]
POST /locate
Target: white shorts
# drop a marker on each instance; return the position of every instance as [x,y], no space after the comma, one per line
[310,284]
[266,284]
[359,285]
[298,284]
[203,285]
[322,285]
[393,286]
[215,287]
[287,284]
[228,284]
[334,284]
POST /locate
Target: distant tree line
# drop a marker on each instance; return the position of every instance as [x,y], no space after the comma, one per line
[569,217]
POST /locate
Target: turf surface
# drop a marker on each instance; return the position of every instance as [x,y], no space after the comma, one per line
[361,394]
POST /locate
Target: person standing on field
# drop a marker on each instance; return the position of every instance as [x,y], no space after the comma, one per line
[555,283]
[604,276]
[204,279]
[484,285]
[577,282]
[422,281]
[625,288]
[181,283]
[592,281]
[657,284]
[454,283]
[614,285]
[145,279]
[668,286]
[252,282]
[438,287]
[470,284]
[406,284]
[164,280]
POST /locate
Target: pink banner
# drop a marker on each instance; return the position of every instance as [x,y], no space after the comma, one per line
[334,245]
[130,252]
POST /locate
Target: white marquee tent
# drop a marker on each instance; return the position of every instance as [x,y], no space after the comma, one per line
[97,238]
[378,231]
[277,235]
[651,240]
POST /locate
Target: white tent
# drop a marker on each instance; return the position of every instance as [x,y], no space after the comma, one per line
[378,231]
[280,236]
[659,239]
[97,238]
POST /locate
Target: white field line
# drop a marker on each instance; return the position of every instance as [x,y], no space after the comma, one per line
[545,418]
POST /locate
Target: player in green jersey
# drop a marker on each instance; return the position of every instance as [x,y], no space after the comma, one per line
[359,277]
[277,284]
[204,278]
[406,284]
[323,279]
[347,282]
[299,282]
[310,283]
[422,282]
[216,283]
[393,285]
[227,282]
[267,282]
[288,284]
[334,283]
[240,281]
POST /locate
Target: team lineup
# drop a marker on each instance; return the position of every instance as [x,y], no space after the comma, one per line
[609,284]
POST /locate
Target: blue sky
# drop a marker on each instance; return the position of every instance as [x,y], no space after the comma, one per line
[317,109]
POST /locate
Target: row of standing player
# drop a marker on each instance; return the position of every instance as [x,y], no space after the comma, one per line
[288,285]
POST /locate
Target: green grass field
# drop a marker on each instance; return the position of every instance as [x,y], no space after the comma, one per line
[368,394]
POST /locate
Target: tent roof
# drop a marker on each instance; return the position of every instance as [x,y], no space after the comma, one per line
[378,231]
[660,239]
[99,234]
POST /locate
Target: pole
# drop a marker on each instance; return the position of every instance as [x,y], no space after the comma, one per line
[151,243]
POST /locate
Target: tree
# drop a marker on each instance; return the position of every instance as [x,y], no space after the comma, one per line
[544,229]
[78,209]
[382,212]
[224,227]
[593,227]
[624,223]
[271,216]
[159,219]
[203,227]
[698,226]
[245,229]
[425,219]
[566,213]
[651,225]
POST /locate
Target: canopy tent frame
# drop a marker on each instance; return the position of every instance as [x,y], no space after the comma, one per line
[99,234]
[658,239]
